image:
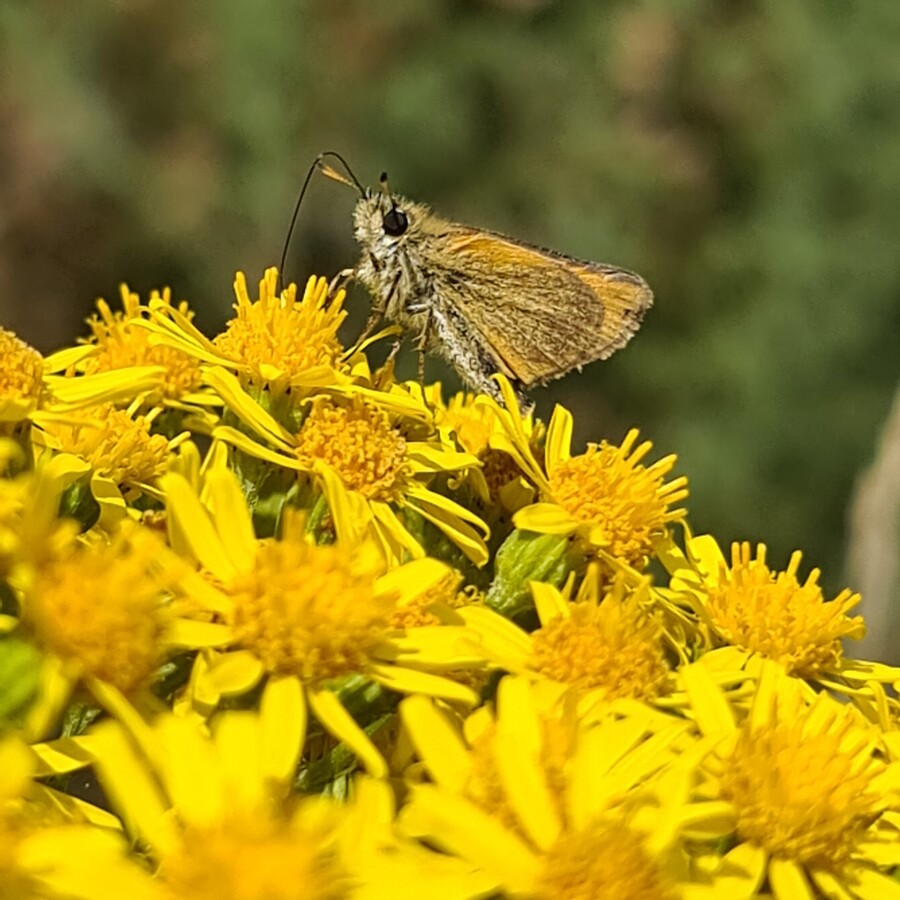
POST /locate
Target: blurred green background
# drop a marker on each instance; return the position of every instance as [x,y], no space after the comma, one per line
[743,156]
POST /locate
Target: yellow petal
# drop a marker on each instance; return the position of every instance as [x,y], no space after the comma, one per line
[390,528]
[193,773]
[283,727]
[434,647]
[705,554]
[106,387]
[350,512]
[740,873]
[412,579]
[59,757]
[549,602]
[412,681]
[232,519]
[67,358]
[464,830]
[788,880]
[426,457]
[238,742]
[190,635]
[831,886]
[545,518]
[870,884]
[243,442]
[190,526]
[337,721]
[135,795]
[245,407]
[525,786]
[437,742]
[454,520]
[559,439]
[711,710]
[504,643]
[235,673]
[110,500]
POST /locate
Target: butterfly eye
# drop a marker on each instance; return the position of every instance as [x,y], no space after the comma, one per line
[394,222]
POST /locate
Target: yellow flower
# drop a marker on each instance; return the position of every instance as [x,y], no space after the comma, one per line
[117,344]
[550,806]
[356,449]
[473,422]
[217,818]
[605,496]
[280,333]
[125,458]
[100,611]
[357,441]
[116,445]
[809,794]
[305,615]
[751,612]
[50,847]
[21,379]
[30,530]
[605,649]
[277,343]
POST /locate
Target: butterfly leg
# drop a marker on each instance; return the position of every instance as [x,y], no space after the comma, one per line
[395,349]
[340,280]
[379,305]
[423,341]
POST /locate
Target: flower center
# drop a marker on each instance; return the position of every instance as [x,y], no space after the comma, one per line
[120,345]
[279,337]
[499,469]
[801,792]
[254,861]
[99,606]
[304,610]
[358,441]
[602,861]
[608,489]
[774,615]
[115,444]
[613,646]
[485,785]
[21,370]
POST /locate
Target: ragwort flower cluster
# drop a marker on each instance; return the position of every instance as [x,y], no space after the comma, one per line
[274,624]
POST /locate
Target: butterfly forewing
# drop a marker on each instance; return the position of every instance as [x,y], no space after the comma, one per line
[541,312]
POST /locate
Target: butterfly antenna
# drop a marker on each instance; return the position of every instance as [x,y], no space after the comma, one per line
[383,181]
[326,170]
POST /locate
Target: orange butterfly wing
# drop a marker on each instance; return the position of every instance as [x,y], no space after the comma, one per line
[542,313]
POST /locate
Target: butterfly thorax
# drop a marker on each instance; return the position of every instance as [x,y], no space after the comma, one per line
[397,270]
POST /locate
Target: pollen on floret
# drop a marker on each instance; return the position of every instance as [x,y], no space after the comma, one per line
[254,858]
[21,370]
[775,615]
[120,345]
[115,443]
[626,504]
[277,337]
[100,608]
[356,439]
[606,859]
[614,646]
[308,610]
[802,787]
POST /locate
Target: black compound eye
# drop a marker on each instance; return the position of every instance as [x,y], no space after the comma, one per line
[394,222]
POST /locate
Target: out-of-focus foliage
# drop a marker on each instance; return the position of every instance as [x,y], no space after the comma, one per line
[743,156]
